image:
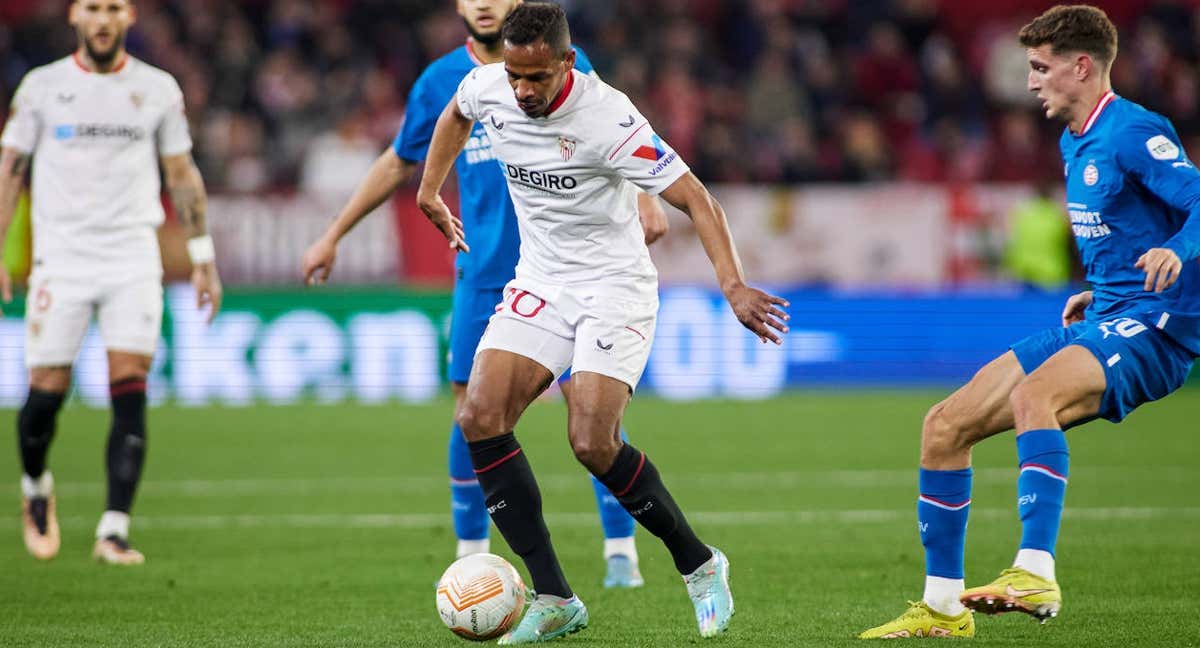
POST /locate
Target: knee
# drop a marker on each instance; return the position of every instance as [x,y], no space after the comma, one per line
[944,434]
[1028,398]
[596,451]
[478,421]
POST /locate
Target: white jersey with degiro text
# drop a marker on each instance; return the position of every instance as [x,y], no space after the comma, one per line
[573,176]
[96,141]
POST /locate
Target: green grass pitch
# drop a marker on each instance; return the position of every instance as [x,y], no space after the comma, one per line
[327,525]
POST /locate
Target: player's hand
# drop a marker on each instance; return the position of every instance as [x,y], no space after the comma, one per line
[1076,305]
[654,219]
[759,312]
[5,286]
[1162,267]
[318,260]
[208,288]
[450,225]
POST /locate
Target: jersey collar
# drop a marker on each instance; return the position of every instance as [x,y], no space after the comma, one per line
[1100,106]
[562,94]
[471,54]
[116,68]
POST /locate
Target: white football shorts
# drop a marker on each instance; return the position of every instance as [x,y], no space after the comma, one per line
[583,332]
[58,311]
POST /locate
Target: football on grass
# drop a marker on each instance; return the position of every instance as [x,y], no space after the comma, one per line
[480,596]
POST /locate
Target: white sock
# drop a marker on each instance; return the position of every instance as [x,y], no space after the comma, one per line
[1037,562]
[468,547]
[620,547]
[41,487]
[113,523]
[941,594]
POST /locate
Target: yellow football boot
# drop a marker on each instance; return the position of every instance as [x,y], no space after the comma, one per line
[922,621]
[1016,590]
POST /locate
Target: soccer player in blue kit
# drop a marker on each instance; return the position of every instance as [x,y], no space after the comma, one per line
[1134,201]
[480,275]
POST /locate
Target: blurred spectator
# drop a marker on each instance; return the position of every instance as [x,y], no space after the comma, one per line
[746,90]
[1040,242]
[337,161]
[1019,152]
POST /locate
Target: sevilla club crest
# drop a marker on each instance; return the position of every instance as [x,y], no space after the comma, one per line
[566,148]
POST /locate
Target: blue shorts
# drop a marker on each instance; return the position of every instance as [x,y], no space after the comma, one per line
[472,308]
[1141,364]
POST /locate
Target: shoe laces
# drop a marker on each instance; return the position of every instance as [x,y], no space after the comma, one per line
[699,581]
[38,507]
[915,609]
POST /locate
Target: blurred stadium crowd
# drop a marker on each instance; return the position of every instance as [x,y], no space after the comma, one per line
[303,94]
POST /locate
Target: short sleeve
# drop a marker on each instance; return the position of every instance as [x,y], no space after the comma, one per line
[642,157]
[467,95]
[24,123]
[420,116]
[173,135]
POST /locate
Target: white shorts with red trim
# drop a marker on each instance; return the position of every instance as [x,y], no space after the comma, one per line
[58,312]
[560,329]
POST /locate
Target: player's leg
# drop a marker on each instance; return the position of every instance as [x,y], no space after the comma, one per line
[1066,388]
[467,509]
[502,385]
[35,430]
[56,319]
[951,428]
[469,318]
[125,455]
[620,550]
[130,317]
[1110,369]
[527,344]
[595,407]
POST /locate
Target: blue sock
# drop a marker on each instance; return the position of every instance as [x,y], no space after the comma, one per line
[1044,460]
[617,522]
[466,497]
[942,512]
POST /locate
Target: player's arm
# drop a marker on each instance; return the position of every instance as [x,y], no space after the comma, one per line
[13,166]
[385,176]
[755,309]
[449,137]
[654,219]
[186,187]
[1151,153]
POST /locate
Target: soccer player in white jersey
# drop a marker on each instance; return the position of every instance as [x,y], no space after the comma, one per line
[96,125]
[575,151]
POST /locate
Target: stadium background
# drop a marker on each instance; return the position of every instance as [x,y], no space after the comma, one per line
[878,161]
[872,157]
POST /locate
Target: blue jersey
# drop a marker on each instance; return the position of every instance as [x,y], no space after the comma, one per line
[1130,188]
[489,220]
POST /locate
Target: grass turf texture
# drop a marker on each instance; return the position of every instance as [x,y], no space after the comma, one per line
[328,525]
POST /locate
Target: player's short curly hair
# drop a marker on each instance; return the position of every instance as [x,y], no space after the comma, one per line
[534,21]
[1073,28]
